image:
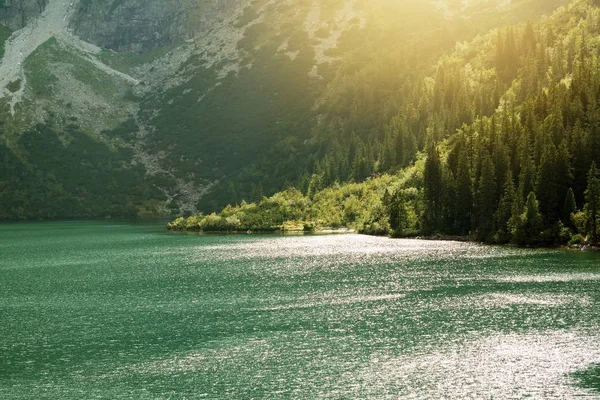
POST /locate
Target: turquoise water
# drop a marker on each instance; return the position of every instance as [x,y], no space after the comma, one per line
[118,310]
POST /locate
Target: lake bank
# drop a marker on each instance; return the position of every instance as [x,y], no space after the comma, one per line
[435,237]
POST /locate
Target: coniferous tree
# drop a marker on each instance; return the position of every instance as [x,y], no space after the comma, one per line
[486,199]
[581,162]
[526,179]
[529,225]
[433,190]
[592,206]
[562,170]
[505,208]
[569,207]
[464,196]
[398,215]
[546,190]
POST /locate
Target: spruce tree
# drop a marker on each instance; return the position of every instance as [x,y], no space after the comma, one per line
[504,212]
[592,206]
[546,190]
[569,207]
[433,190]
[529,225]
[398,215]
[486,199]
[464,195]
[526,178]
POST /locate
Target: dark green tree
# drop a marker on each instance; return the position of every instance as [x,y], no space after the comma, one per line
[486,199]
[433,190]
[464,196]
[546,188]
[592,205]
[398,214]
[505,207]
[569,207]
[529,225]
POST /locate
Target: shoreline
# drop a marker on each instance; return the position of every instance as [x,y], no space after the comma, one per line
[327,231]
[347,231]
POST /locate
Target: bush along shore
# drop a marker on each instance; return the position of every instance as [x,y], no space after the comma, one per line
[338,210]
[398,206]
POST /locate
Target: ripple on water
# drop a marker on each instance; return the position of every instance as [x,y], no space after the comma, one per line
[507,299]
[136,313]
[547,278]
[536,365]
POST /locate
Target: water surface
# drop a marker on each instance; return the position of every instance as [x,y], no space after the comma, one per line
[119,310]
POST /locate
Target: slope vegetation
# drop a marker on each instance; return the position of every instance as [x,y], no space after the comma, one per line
[510,130]
[225,101]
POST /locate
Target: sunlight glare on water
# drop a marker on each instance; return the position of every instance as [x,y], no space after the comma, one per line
[105,310]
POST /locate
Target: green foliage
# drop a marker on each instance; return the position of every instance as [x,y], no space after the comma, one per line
[39,69]
[528,227]
[281,122]
[509,122]
[592,206]
[398,214]
[68,175]
[433,190]
[486,200]
[578,220]
[356,206]
[576,239]
[515,115]
[569,208]
[505,210]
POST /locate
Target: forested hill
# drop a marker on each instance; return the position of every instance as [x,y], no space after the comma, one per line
[153,107]
[501,142]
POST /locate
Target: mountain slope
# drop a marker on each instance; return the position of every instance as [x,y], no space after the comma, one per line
[511,153]
[215,101]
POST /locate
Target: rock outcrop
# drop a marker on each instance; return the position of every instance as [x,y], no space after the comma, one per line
[141,25]
[16,14]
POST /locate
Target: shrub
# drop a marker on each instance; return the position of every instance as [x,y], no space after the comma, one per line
[577,239]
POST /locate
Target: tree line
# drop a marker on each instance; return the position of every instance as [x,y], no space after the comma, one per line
[501,142]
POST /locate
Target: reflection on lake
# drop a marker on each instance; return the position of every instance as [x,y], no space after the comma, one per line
[119,310]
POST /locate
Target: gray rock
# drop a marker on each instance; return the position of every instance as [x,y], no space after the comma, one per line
[139,26]
[15,14]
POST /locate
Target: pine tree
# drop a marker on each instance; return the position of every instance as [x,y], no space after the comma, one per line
[529,225]
[464,196]
[398,215]
[504,212]
[545,185]
[433,190]
[569,207]
[563,171]
[592,206]
[581,161]
[526,176]
[486,199]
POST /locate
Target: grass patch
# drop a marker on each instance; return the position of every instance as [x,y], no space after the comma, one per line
[39,71]
[37,68]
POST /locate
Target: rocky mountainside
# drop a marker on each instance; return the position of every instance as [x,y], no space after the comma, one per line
[140,26]
[131,107]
